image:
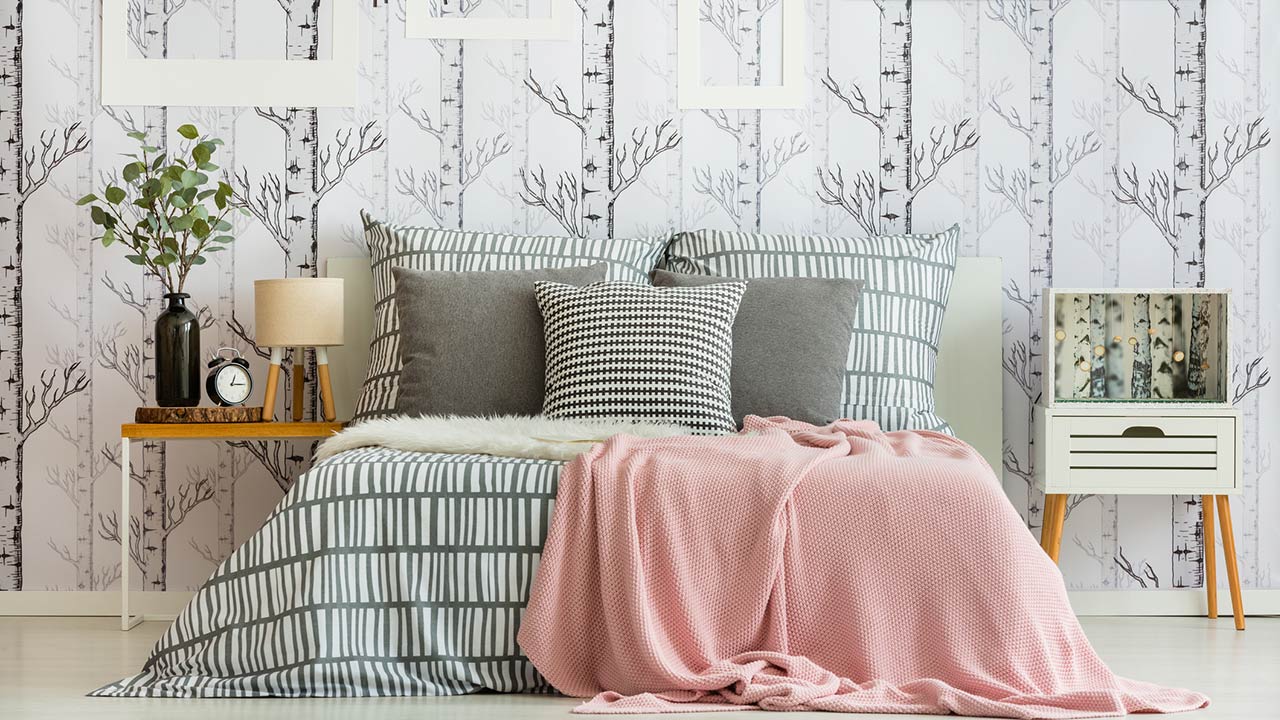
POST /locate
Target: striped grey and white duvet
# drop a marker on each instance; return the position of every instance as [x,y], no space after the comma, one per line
[381,573]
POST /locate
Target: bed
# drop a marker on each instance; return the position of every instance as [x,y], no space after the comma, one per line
[405,573]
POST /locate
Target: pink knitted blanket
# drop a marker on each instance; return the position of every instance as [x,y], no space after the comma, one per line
[803,568]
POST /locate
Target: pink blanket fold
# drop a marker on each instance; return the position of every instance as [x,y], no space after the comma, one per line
[802,568]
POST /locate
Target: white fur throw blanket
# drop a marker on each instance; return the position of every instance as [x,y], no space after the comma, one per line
[539,438]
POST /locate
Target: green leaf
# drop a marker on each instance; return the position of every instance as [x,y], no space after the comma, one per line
[98,215]
[139,136]
[87,199]
[223,225]
[196,260]
[150,148]
[189,178]
[201,153]
[131,172]
[158,162]
[178,201]
[214,248]
[135,259]
[115,195]
[188,131]
[200,229]
[224,238]
[205,194]
[108,237]
[208,167]
[166,258]
[201,212]
[169,244]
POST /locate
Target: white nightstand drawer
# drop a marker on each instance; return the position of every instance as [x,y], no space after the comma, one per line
[1141,453]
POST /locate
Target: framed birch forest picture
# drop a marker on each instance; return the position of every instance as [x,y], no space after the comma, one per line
[1147,346]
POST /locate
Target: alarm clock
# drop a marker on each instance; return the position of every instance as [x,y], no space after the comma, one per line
[229,382]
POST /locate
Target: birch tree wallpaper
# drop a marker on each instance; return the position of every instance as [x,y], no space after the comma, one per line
[1087,143]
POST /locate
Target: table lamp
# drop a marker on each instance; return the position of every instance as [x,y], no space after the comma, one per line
[298,313]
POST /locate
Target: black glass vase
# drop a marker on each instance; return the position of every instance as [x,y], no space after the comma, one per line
[177,354]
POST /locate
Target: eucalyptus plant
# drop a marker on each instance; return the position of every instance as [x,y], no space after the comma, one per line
[159,208]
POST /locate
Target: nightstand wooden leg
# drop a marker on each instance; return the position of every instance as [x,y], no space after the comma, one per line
[1046,524]
[1059,521]
[1055,513]
[1229,554]
[1210,562]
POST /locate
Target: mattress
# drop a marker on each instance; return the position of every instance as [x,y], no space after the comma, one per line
[381,573]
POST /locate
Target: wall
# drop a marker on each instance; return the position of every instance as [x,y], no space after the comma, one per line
[1086,142]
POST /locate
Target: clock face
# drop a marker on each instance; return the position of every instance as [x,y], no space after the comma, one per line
[232,384]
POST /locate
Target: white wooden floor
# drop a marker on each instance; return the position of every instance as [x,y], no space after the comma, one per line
[47,664]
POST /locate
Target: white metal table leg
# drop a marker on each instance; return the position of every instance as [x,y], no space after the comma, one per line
[127,622]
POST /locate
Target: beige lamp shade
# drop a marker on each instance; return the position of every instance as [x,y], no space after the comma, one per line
[298,312]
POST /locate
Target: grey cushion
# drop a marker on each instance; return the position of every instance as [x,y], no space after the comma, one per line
[471,342]
[790,344]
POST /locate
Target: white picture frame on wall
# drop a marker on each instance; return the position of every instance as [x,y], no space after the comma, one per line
[693,94]
[419,23]
[228,82]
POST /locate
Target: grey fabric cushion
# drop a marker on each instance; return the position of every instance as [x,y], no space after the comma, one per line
[898,324]
[471,343]
[790,344]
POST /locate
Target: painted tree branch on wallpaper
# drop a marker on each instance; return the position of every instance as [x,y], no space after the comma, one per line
[1031,192]
[1174,200]
[881,203]
[27,408]
[739,190]
[584,203]
[441,192]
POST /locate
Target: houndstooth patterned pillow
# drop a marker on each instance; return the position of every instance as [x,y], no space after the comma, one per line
[622,350]
[420,248]
[907,282]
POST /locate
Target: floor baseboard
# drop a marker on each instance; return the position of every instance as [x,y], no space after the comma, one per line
[166,605]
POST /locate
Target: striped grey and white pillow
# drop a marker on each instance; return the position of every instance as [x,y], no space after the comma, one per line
[624,350]
[894,348]
[421,248]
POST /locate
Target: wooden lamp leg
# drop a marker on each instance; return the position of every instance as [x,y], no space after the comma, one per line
[273,379]
[1229,554]
[326,389]
[1210,562]
[299,382]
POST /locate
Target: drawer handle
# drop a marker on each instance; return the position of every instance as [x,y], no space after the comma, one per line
[1143,431]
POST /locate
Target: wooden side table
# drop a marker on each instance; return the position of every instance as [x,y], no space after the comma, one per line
[195,431]
[1144,450]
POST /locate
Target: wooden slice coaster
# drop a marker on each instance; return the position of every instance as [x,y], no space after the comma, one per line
[240,414]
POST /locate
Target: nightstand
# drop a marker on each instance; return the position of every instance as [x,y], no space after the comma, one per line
[195,431]
[1124,449]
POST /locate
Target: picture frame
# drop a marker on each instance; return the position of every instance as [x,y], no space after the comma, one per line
[230,82]
[693,94]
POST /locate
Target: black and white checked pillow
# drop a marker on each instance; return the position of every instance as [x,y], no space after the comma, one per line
[898,322]
[422,248]
[623,350]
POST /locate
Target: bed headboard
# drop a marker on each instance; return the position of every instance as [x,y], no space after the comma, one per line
[969,382]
